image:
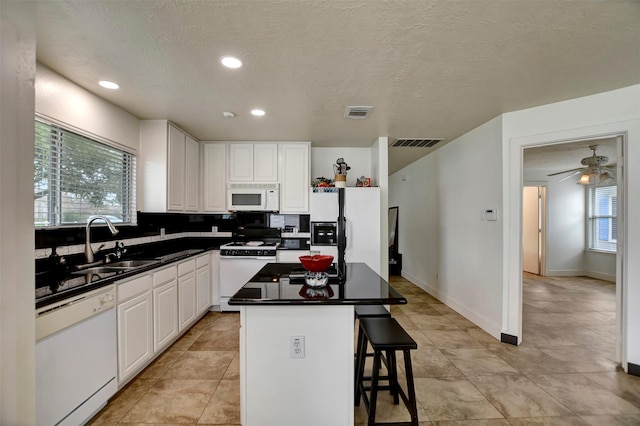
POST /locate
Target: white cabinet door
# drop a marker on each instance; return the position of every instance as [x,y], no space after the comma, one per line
[253,162]
[169,173]
[215,278]
[203,280]
[265,162]
[187,299]
[135,333]
[191,187]
[241,162]
[187,293]
[291,256]
[214,177]
[176,169]
[294,177]
[165,314]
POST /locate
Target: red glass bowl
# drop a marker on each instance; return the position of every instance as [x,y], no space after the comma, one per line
[317,262]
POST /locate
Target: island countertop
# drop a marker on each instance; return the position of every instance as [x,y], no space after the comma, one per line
[272,285]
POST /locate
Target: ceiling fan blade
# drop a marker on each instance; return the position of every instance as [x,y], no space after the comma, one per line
[577,172]
[567,171]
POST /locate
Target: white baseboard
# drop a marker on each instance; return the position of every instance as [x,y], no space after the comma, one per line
[566,273]
[601,276]
[487,325]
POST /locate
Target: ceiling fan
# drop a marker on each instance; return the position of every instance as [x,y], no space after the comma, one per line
[594,168]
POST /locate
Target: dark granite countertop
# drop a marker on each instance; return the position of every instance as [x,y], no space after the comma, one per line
[273,286]
[51,288]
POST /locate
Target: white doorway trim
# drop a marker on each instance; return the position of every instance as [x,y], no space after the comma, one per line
[542,224]
[512,236]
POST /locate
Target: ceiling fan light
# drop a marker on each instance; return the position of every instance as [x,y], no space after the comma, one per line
[584,179]
[605,177]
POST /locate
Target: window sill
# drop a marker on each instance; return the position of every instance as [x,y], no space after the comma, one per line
[601,251]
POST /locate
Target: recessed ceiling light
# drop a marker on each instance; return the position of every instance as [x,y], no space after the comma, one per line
[109,84]
[258,112]
[231,62]
[228,114]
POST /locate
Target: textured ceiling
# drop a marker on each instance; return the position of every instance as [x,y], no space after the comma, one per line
[565,156]
[431,69]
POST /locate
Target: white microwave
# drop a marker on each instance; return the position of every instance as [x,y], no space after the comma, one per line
[253,197]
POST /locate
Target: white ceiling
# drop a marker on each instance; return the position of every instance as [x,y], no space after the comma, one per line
[431,69]
[565,156]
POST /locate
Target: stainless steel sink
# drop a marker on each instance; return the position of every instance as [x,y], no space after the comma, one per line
[119,266]
[136,263]
[98,270]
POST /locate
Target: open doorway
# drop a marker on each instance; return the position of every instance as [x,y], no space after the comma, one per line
[575,265]
[533,229]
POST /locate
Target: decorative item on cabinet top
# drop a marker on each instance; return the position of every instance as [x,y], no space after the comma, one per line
[340,171]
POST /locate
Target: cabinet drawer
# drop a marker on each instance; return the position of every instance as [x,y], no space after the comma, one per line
[133,288]
[186,267]
[202,261]
[164,276]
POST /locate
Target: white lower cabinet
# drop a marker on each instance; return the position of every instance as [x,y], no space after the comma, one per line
[291,256]
[203,280]
[165,307]
[187,293]
[156,307]
[135,326]
[215,279]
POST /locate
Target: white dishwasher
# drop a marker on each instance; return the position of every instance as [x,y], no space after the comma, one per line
[76,357]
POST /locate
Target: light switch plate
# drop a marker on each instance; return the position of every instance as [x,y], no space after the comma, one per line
[490,214]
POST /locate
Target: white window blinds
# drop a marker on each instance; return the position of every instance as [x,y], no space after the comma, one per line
[602,224]
[77,177]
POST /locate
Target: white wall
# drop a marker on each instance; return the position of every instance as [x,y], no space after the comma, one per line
[609,113]
[565,249]
[380,177]
[359,159]
[17,309]
[65,101]
[447,249]
[600,265]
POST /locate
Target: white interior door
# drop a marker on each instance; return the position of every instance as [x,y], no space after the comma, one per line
[531,229]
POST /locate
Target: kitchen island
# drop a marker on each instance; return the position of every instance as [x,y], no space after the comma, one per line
[297,344]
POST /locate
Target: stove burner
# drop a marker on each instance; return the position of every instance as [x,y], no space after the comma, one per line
[249,249]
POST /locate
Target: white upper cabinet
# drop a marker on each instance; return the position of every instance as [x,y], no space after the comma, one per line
[214,175]
[265,162]
[295,177]
[176,169]
[168,168]
[249,162]
[191,162]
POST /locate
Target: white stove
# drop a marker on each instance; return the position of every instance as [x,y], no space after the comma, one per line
[249,249]
[239,261]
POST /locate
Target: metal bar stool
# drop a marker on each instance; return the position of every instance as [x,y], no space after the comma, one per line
[385,335]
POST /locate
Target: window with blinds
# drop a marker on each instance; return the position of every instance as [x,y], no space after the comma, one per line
[77,177]
[602,229]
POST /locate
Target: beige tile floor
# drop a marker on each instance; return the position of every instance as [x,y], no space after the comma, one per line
[562,374]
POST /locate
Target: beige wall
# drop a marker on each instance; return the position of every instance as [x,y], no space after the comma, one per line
[68,103]
[17,310]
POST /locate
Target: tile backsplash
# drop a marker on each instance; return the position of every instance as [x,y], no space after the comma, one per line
[79,248]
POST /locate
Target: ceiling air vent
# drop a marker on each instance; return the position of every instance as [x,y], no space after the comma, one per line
[358,112]
[415,143]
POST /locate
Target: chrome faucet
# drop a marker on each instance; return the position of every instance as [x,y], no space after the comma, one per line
[88,251]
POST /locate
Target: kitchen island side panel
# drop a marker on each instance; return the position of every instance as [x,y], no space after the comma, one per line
[315,390]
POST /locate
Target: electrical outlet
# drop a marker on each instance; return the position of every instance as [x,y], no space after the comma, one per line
[296,347]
